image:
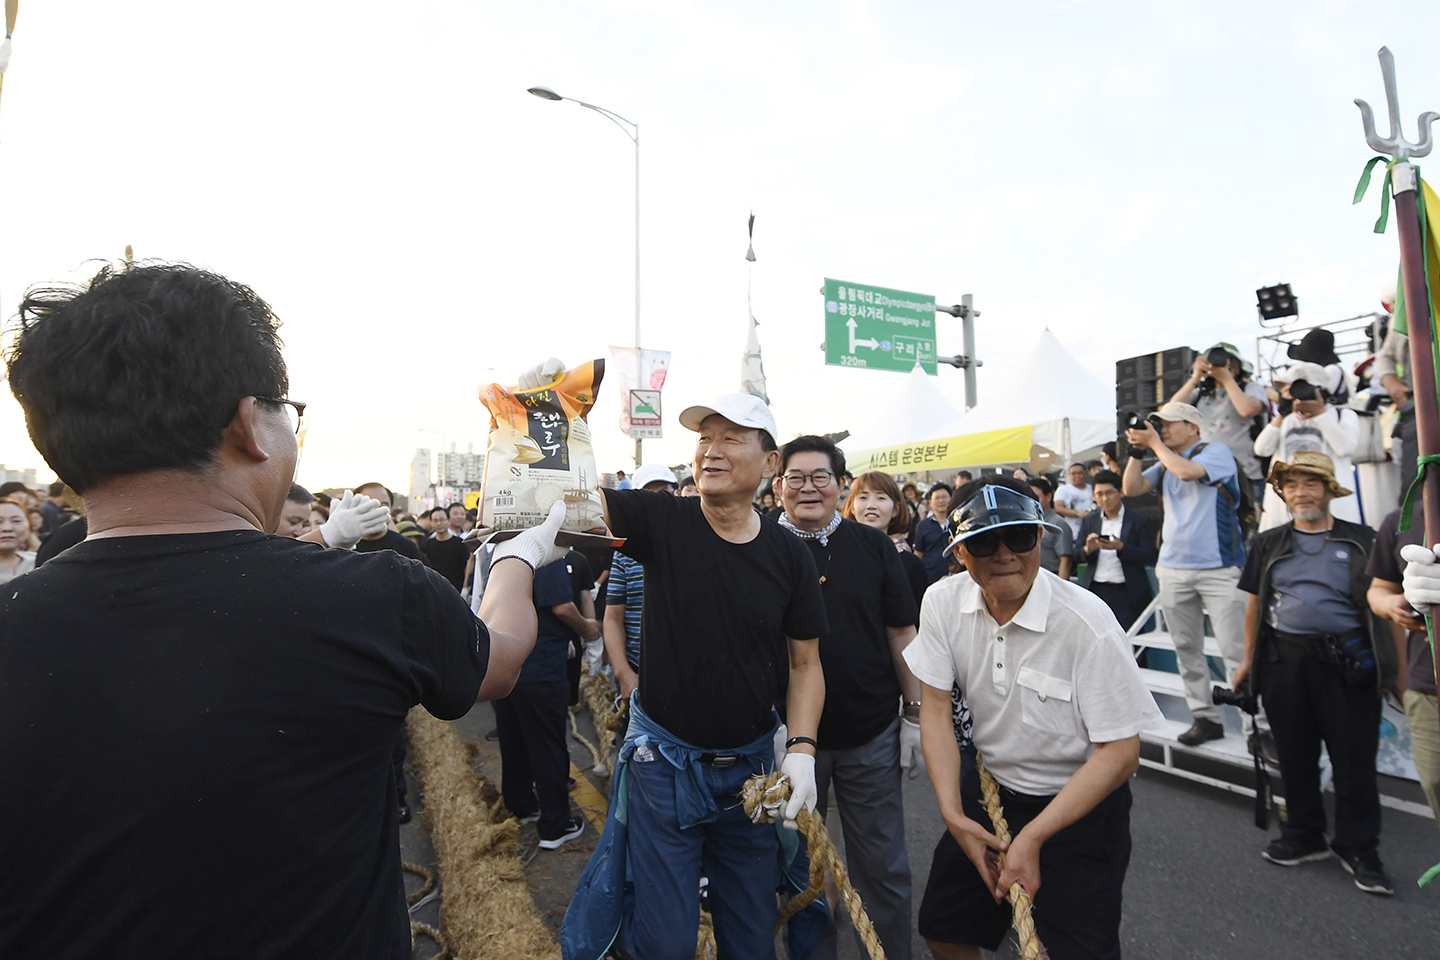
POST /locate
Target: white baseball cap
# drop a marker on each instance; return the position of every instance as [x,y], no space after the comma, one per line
[648,473]
[1175,411]
[739,408]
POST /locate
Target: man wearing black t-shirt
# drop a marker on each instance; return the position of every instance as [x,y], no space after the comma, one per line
[863,740]
[1387,599]
[387,539]
[210,715]
[444,552]
[731,615]
[534,759]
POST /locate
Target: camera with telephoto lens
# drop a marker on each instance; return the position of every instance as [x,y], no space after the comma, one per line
[1135,421]
[1242,697]
[1303,390]
[1218,357]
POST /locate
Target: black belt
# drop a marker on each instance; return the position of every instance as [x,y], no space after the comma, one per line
[1306,639]
[720,761]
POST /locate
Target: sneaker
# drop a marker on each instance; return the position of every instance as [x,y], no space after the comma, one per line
[1368,872]
[492,735]
[1200,731]
[573,829]
[529,818]
[1289,852]
[404,807]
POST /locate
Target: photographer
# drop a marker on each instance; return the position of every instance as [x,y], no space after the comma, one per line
[1201,549]
[1228,402]
[1320,660]
[1307,421]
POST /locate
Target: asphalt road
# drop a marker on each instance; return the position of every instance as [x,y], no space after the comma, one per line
[1197,887]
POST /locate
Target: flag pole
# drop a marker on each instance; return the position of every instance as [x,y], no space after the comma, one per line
[1414,232]
[1403,179]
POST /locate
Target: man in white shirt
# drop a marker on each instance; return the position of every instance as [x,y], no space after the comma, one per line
[1058,705]
[1117,545]
[1075,499]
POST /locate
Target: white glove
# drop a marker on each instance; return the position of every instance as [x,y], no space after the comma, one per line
[352,519]
[799,769]
[1422,577]
[535,546]
[595,650]
[542,374]
[781,735]
[911,757]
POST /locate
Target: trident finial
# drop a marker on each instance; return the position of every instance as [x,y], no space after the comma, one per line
[1395,145]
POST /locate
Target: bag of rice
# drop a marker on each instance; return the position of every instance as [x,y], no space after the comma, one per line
[540,452]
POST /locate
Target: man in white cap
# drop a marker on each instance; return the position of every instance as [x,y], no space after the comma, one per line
[1308,421]
[625,593]
[732,616]
[1202,550]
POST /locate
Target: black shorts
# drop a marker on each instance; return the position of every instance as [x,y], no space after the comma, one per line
[1082,874]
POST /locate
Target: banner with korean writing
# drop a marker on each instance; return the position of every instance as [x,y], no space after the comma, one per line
[1011,445]
[637,369]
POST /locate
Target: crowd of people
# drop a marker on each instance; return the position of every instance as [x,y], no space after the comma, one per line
[254,648]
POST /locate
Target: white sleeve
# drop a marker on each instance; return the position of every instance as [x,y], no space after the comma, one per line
[1268,441]
[1113,699]
[1341,430]
[928,655]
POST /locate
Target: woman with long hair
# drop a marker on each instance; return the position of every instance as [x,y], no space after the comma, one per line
[876,501]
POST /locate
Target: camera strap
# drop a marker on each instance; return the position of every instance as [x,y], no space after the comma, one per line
[1262,788]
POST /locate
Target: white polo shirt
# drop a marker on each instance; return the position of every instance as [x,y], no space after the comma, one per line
[1043,688]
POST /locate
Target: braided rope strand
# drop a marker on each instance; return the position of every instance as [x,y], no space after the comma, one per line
[763,799]
[1030,948]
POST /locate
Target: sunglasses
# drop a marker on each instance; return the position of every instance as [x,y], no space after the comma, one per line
[1019,539]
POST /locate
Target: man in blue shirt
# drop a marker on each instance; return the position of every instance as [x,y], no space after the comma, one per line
[1202,550]
[534,758]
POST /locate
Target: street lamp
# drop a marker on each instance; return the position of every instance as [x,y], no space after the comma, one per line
[631,130]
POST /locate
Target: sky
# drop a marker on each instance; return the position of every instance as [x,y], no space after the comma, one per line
[1125,174]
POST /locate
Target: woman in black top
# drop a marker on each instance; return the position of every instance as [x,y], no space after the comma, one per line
[875,501]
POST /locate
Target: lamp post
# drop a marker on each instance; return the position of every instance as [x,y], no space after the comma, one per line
[631,130]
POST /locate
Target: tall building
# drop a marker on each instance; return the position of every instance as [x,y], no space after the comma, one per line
[460,469]
[419,474]
[25,476]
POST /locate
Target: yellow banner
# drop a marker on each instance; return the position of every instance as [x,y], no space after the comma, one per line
[1011,445]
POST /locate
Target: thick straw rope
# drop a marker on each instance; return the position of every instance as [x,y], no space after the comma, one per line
[763,799]
[600,766]
[1030,948]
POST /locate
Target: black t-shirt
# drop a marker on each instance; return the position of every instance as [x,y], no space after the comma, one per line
[916,573]
[865,591]
[555,584]
[1385,564]
[195,734]
[65,537]
[398,542]
[446,557]
[714,660]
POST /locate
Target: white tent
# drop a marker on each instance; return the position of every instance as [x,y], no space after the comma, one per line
[915,410]
[1067,408]
[1048,401]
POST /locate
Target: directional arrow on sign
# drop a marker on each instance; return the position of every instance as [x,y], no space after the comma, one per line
[872,343]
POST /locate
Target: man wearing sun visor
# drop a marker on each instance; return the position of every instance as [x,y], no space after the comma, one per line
[1058,705]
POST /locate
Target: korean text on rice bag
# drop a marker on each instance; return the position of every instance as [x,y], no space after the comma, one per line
[540,452]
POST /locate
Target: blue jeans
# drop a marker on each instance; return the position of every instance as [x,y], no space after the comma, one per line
[666,861]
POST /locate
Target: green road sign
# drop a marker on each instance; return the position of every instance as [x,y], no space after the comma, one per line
[877,328]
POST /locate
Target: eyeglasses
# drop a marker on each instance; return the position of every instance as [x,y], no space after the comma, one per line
[821,479]
[295,408]
[1020,538]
